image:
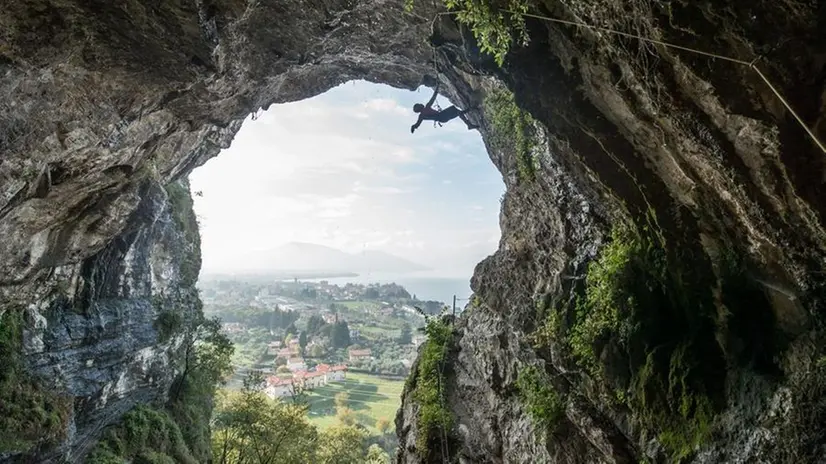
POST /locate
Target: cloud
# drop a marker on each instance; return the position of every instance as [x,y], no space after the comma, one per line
[384,105]
[343,170]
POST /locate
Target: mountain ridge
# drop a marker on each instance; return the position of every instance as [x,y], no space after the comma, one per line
[306,257]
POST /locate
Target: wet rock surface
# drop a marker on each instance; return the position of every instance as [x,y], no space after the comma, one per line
[105,103]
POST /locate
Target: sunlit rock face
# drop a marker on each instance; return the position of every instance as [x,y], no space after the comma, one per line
[106,105]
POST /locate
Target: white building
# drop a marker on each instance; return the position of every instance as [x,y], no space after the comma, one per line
[310,380]
[332,373]
[278,387]
[296,364]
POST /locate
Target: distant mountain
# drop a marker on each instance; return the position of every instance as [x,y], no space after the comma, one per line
[301,256]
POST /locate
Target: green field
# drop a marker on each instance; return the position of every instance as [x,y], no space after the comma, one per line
[371,398]
[361,305]
[379,331]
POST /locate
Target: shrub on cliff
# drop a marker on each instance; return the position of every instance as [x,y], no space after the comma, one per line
[496,24]
[539,397]
[434,419]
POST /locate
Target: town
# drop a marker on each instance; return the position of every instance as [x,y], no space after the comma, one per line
[343,347]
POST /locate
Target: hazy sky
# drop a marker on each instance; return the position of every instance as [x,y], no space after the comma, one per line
[343,170]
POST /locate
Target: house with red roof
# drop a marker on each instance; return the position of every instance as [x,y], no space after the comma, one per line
[333,373]
[278,387]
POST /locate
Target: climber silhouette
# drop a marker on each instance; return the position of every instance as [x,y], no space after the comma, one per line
[440,116]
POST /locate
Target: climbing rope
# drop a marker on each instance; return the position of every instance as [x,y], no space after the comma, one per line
[750,64]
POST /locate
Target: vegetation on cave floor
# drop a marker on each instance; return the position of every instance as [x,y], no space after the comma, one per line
[30,414]
[434,419]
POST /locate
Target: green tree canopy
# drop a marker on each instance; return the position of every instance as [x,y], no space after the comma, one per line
[315,324]
[302,341]
[340,336]
[406,336]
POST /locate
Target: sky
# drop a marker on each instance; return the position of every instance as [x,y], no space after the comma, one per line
[343,170]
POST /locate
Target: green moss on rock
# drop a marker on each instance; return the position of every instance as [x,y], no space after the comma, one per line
[645,327]
[512,130]
[30,414]
[539,397]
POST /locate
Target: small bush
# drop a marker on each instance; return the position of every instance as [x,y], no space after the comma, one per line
[429,391]
[513,131]
[539,398]
[29,414]
[144,435]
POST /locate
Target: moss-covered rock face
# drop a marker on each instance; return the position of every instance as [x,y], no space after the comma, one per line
[31,414]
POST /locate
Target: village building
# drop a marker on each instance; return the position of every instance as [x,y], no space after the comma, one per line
[233,327]
[279,387]
[359,354]
[273,348]
[310,380]
[285,353]
[296,364]
[332,373]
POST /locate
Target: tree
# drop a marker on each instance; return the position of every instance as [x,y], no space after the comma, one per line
[342,400]
[383,425]
[206,350]
[250,428]
[280,361]
[291,330]
[314,324]
[283,370]
[346,416]
[376,455]
[341,444]
[316,351]
[340,336]
[406,336]
[302,342]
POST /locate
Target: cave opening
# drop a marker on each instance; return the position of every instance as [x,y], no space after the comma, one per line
[336,189]
[343,171]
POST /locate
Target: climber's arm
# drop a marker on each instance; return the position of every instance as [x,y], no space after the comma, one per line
[433,98]
[418,123]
